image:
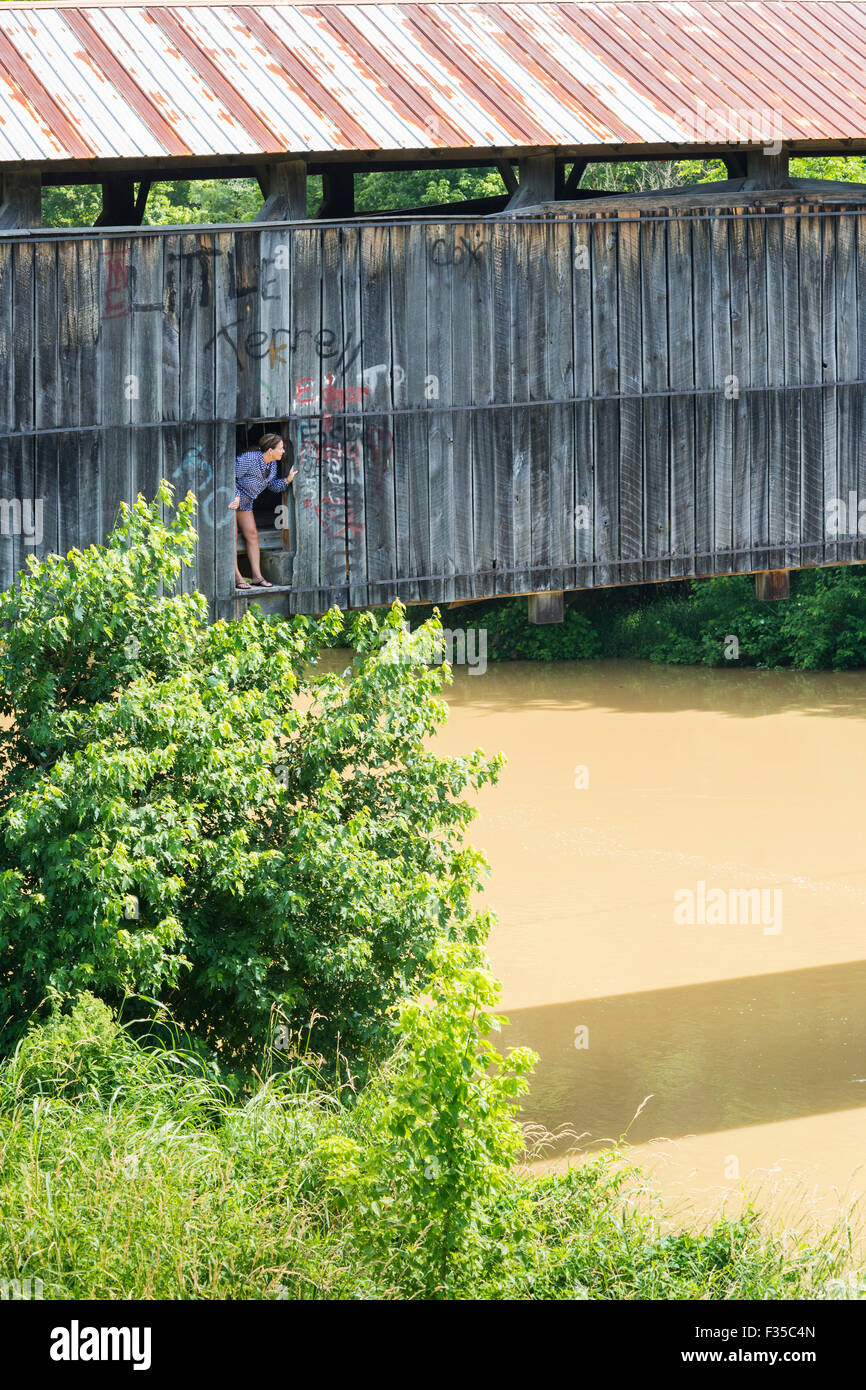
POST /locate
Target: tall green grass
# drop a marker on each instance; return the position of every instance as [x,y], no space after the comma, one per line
[127,1171]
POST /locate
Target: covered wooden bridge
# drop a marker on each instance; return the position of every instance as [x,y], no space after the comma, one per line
[554,390]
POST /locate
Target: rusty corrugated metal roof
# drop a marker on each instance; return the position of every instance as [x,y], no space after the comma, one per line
[152,81]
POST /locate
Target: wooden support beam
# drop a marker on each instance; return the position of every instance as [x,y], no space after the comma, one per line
[537,182]
[507,174]
[284,186]
[547,608]
[20,200]
[120,206]
[141,200]
[772,584]
[735,164]
[570,186]
[486,206]
[338,194]
[766,170]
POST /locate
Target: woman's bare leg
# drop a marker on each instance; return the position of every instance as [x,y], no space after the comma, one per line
[247,523]
[240,582]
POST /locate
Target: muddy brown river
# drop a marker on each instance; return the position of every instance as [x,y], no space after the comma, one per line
[679,878]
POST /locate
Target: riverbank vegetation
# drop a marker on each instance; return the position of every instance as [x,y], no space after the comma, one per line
[249,1030]
[822,626]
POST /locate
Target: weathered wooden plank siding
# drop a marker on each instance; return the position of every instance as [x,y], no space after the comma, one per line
[597,396]
[631,338]
[706,392]
[440,447]
[656,406]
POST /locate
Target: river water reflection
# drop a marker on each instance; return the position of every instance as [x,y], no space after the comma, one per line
[627,784]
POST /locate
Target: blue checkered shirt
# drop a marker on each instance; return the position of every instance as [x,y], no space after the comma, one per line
[253,475]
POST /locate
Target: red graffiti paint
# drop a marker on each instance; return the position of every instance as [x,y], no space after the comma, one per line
[116,297]
[330,512]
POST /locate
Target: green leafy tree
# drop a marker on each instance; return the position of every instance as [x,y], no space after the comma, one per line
[438,1138]
[191,812]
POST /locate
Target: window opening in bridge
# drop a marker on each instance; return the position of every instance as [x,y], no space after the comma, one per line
[274,512]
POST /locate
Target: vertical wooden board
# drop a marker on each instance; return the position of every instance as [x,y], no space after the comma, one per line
[560,388]
[171,453]
[79,454]
[91,448]
[462,298]
[812,457]
[758,396]
[22,337]
[194,356]
[9,482]
[775,375]
[88,331]
[541,365]
[78,311]
[50,403]
[218,465]
[7,335]
[19,516]
[631,333]
[198,328]
[681,371]
[272,352]
[145,364]
[847,348]
[23,344]
[246,295]
[409,331]
[793,395]
[360,469]
[189,468]
[306,268]
[171,295]
[69,515]
[230,345]
[340,438]
[723,432]
[10,451]
[741,405]
[114,467]
[146,330]
[481,393]
[860,391]
[605,374]
[440,263]
[116,299]
[42,513]
[656,423]
[272,356]
[705,390]
[146,463]
[829,238]
[584,413]
[522,310]
[373,373]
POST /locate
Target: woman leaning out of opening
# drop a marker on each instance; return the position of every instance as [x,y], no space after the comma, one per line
[254,471]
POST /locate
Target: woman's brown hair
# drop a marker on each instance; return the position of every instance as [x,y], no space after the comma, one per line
[269,441]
